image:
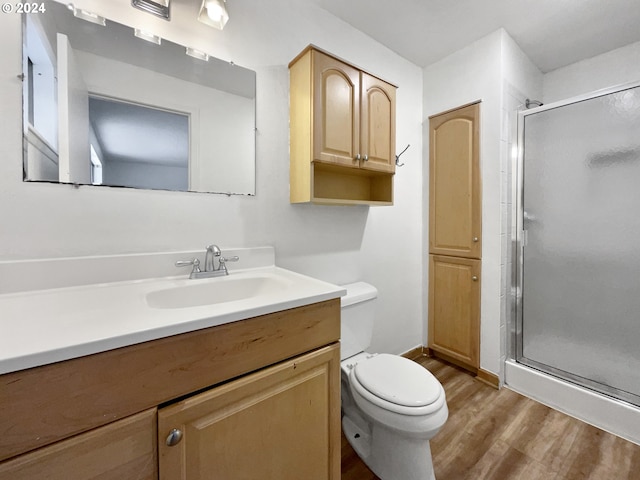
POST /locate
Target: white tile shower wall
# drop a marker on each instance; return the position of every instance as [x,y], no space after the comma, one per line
[336,244]
[519,74]
[514,100]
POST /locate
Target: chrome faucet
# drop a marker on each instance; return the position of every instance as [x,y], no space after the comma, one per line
[212,252]
[210,270]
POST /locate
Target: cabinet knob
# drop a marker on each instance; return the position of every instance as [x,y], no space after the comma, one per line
[474,278]
[174,437]
[365,158]
[475,239]
[358,156]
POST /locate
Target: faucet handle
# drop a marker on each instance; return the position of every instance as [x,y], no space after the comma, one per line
[224,260]
[185,263]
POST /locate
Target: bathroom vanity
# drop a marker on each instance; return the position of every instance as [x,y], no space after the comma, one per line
[255,397]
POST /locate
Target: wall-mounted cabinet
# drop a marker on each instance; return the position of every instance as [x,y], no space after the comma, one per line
[342,126]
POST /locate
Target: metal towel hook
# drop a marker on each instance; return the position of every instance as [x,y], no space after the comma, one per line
[398,156]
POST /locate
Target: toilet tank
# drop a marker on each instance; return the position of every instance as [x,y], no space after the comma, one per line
[357,315]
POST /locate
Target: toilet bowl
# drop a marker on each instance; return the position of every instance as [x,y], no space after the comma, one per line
[391,406]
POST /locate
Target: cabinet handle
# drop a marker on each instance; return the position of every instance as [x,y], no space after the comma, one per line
[358,156]
[475,239]
[365,158]
[174,437]
[474,278]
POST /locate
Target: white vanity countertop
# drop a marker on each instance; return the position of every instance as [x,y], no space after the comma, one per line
[46,326]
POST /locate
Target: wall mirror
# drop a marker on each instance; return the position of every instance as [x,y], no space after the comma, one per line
[105,105]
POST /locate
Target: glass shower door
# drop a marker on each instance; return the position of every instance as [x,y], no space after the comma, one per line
[579,310]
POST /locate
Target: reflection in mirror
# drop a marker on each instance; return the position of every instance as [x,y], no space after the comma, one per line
[104,107]
[138,146]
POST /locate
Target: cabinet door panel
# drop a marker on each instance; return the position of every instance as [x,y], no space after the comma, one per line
[454,183]
[282,422]
[454,308]
[336,112]
[121,450]
[378,125]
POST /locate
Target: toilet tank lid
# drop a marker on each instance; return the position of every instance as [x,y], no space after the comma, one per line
[358,292]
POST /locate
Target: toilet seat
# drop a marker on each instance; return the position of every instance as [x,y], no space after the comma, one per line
[397,384]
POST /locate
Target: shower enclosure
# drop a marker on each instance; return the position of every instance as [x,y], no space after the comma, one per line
[577,259]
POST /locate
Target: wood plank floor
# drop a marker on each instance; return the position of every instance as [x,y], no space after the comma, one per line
[501,435]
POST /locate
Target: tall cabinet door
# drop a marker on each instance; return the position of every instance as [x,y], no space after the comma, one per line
[378,125]
[454,183]
[454,308]
[336,111]
[282,422]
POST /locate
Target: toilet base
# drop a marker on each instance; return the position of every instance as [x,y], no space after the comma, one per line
[359,438]
[389,456]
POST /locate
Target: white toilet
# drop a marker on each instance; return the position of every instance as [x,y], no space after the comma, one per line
[391,406]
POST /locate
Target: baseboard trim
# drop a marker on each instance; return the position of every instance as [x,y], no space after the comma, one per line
[415,353]
[481,375]
[489,378]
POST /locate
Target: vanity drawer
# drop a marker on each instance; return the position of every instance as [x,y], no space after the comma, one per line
[45,404]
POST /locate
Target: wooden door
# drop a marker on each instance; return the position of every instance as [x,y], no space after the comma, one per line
[454,308]
[378,125]
[455,203]
[336,111]
[120,450]
[281,422]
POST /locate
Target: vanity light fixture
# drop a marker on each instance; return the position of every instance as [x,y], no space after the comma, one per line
[192,52]
[159,8]
[86,15]
[149,37]
[214,13]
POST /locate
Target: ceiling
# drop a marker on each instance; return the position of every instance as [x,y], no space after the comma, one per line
[553,33]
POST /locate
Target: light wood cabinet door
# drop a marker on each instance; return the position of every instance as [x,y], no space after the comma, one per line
[342,133]
[378,125]
[455,203]
[336,111]
[121,450]
[454,308]
[282,422]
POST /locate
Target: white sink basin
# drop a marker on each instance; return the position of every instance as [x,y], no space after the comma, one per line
[215,290]
[51,325]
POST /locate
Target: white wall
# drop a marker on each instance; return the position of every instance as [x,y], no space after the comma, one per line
[481,71]
[616,67]
[380,245]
